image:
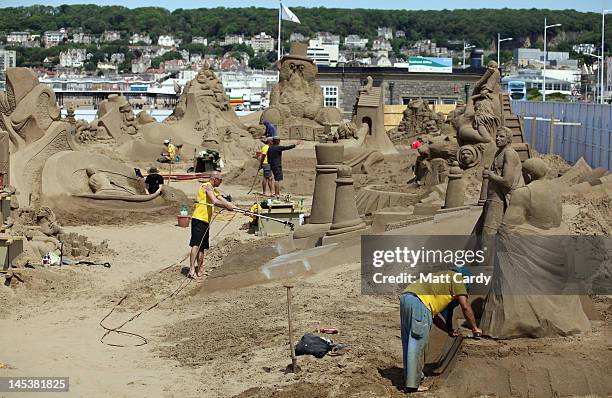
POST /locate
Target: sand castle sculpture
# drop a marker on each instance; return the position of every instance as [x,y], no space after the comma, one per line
[532,223]
[296,102]
[418,119]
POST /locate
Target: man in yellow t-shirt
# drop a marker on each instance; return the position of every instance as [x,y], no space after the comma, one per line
[267,181]
[207,195]
[420,305]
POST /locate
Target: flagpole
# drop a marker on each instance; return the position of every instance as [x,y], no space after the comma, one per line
[280,10]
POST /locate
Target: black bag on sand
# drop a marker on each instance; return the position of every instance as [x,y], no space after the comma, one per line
[311,344]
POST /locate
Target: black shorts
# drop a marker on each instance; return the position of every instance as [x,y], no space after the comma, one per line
[199,234]
[267,172]
[278,173]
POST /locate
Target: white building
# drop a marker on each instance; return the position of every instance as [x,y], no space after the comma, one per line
[296,36]
[382,59]
[140,38]
[111,35]
[385,32]
[73,58]
[18,38]
[327,38]
[323,54]
[262,42]
[82,38]
[354,41]
[199,40]
[400,34]
[117,58]
[534,56]
[584,48]
[381,44]
[166,41]
[52,38]
[8,59]
[232,39]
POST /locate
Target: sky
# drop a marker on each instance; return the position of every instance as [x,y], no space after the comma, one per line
[584,5]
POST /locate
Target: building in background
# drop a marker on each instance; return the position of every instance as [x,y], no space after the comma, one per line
[327,38]
[8,59]
[52,38]
[296,36]
[354,41]
[73,58]
[111,35]
[232,39]
[385,32]
[262,42]
[166,41]
[534,56]
[82,38]
[323,54]
[140,38]
[18,38]
[199,40]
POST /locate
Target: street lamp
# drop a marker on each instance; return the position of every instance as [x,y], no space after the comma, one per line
[603,25]
[599,82]
[465,47]
[499,40]
[546,58]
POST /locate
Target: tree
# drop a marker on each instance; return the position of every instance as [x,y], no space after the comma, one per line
[259,62]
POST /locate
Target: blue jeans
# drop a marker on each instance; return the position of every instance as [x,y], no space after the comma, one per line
[416,321]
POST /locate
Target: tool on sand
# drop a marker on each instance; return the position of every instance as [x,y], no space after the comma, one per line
[251,214]
[254,180]
[294,368]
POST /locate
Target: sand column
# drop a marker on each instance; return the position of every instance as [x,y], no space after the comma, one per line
[329,157]
[455,189]
[346,218]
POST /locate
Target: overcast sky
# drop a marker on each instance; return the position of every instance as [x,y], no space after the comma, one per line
[584,5]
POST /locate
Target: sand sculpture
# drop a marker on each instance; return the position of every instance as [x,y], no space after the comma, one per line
[418,119]
[329,159]
[534,210]
[504,177]
[11,244]
[202,119]
[455,190]
[346,222]
[38,137]
[296,102]
[27,108]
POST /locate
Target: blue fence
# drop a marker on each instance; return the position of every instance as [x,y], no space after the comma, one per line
[570,130]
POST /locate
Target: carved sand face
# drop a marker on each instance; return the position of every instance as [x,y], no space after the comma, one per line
[466,156]
[431,126]
[296,71]
[502,138]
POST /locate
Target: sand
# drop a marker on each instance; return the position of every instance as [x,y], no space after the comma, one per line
[233,343]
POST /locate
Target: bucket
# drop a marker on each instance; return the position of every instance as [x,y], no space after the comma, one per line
[183,221]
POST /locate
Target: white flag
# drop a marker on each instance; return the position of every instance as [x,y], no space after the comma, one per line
[288,15]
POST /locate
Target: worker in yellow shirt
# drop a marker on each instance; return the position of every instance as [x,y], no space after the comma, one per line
[169,156]
[420,306]
[200,222]
[267,182]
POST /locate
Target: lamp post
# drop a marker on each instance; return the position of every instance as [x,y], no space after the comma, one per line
[598,91]
[465,47]
[603,32]
[546,58]
[499,40]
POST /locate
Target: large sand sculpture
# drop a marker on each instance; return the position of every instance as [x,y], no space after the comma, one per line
[534,210]
[45,157]
[202,119]
[296,102]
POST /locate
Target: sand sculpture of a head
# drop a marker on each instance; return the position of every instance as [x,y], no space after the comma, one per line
[297,68]
[503,137]
[534,169]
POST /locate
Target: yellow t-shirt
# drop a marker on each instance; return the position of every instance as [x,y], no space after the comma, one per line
[437,296]
[204,212]
[171,152]
[264,151]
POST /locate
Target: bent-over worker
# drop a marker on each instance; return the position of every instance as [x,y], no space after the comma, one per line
[420,306]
